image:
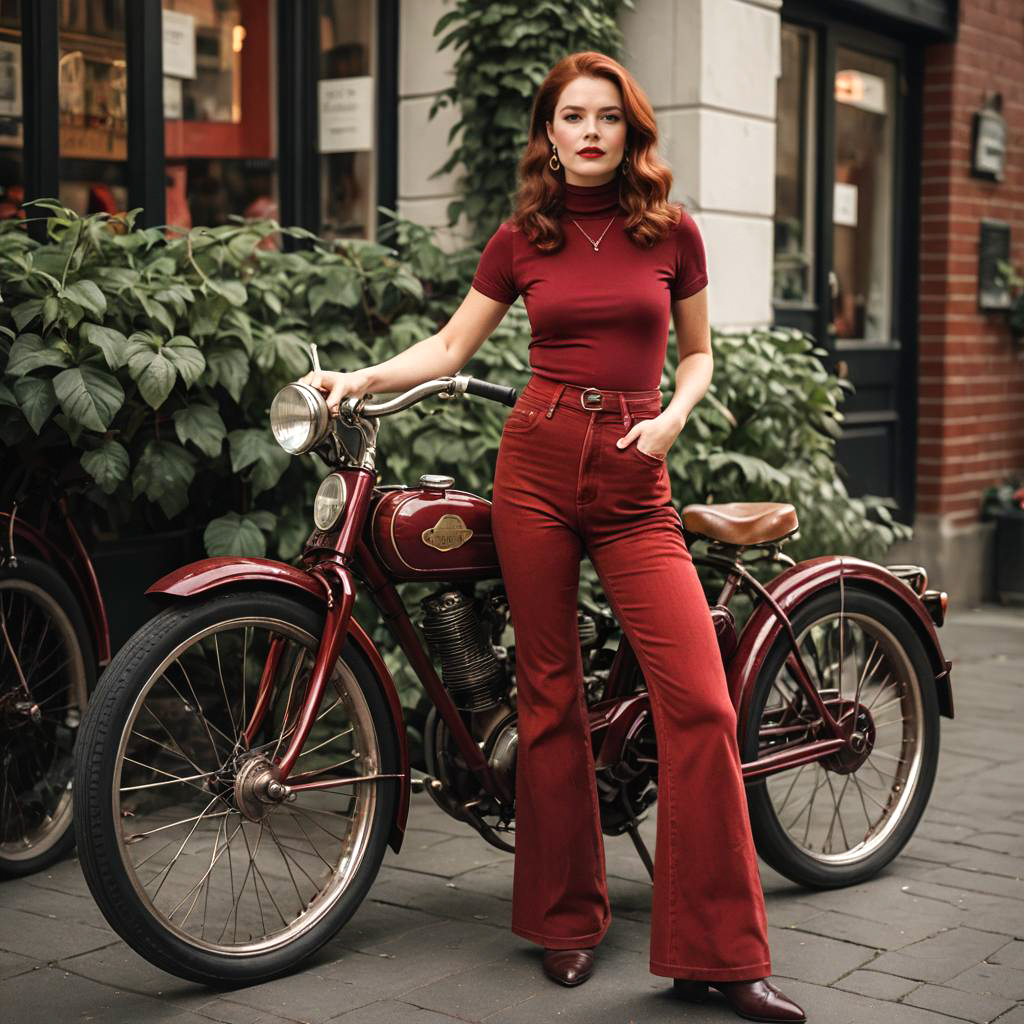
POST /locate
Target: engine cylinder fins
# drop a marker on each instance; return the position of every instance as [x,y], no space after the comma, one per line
[458,639]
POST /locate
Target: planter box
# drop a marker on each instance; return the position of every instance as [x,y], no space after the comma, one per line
[1009,556]
[127,567]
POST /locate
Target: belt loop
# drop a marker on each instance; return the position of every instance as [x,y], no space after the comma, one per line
[626,418]
[554,401]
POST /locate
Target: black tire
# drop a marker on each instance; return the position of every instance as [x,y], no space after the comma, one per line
[881,617]
[25,848]
[103,857]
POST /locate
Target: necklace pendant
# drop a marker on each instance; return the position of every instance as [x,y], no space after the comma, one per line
[594,244]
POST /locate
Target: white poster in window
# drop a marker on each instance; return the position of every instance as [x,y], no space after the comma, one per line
[10,79]
[173,99]
[844,204]
[179,44]
[346,114]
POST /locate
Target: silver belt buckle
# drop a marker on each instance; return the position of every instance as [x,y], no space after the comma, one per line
[595,402]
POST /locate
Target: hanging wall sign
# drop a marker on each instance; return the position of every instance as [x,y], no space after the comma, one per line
[179,44]
[993,246]
[988,156]
[346,114]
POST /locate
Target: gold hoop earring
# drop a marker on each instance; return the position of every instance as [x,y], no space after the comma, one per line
[553,162]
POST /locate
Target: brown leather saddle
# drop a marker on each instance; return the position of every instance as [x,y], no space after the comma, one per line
[741,522]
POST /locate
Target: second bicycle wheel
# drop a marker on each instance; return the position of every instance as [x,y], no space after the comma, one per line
[190,860]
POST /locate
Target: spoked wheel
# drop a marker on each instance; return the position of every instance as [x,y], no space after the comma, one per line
[195,853]
[46,669]
[840,820]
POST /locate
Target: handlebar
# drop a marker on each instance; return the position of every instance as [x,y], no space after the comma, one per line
[447,387]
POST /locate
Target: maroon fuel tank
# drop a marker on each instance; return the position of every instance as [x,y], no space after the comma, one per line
[432,532]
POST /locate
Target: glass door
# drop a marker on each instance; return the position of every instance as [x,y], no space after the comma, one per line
[843,242]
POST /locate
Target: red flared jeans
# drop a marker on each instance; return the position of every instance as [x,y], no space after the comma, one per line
[563,489]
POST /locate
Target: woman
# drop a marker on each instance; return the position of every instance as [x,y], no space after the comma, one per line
[602,259]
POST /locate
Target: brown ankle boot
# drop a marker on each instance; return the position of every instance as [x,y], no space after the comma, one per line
[568,966]
[756,1000]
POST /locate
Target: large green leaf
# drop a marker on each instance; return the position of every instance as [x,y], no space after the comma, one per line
[232,534]
[29,352]
[88,295]
[229,367]
[112,343]
[88,396]
[107,465]
[203,426]
[153,372]
[35,399]
[258,449]
[163,474]
[186,357]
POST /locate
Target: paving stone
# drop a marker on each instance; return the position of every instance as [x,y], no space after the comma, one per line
[394,1012]
[1010,955]
[871,934]
[308,995]
[54,995]
[969,1006]
[46,940]
[119,966]
[479,991]
[813,957]
[13,963]
[78,907]
[1014,1016]
[997,842]
[877,985]
[989,862]
[976,881]
[224,1011]
[941,957]
[991,979]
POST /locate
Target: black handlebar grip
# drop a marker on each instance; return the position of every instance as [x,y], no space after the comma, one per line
[495,392]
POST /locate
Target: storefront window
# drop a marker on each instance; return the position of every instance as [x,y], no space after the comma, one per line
[794,170]
[862,201]
[12,131]
[347,101]
[93,106]
[218,107]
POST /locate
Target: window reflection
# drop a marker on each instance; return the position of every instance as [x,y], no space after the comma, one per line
[93,106]
[862,199]
[347,120]
[794,170]
[218,108]
[12,131]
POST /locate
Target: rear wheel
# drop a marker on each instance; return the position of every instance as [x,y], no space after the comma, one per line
[46,671]
[191,856]
[840,820]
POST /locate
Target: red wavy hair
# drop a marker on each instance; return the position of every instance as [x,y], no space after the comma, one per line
[643,189]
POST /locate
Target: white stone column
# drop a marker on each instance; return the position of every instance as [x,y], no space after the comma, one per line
[423,143]
[709,67]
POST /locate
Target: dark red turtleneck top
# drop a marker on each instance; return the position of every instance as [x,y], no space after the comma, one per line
[598,319]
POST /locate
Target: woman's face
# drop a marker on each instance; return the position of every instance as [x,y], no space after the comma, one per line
[589,113]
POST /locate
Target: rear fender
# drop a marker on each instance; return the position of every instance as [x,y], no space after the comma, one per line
[802,581]
[215,573]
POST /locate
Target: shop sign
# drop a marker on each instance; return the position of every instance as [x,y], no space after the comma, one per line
[179,44]
[346,114]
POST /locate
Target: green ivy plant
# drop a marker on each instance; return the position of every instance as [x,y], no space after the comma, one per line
[504,50]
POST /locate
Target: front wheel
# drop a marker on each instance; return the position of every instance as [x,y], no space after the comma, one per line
[840,820]
[189,861]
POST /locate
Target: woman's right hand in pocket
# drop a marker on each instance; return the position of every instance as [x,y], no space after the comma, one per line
[336,385]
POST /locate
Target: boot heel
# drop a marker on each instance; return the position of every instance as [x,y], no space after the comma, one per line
[691,989]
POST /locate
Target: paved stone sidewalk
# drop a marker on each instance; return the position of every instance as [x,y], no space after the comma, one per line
[938,936]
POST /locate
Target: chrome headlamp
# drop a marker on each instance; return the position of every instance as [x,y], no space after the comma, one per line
[330,501]
[299,418]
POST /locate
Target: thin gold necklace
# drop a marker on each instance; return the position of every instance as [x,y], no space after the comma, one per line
[588,238]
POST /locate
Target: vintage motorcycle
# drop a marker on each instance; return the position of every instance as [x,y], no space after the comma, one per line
[243,764]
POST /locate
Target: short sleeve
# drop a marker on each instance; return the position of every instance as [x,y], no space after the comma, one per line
[494,273]
[691,272]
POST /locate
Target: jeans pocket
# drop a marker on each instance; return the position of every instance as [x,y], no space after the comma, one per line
[521,420]
[656,460]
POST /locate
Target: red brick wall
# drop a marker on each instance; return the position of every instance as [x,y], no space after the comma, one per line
[971,372]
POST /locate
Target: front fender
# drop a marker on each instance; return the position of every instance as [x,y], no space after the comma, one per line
[800,582]
[213,573]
